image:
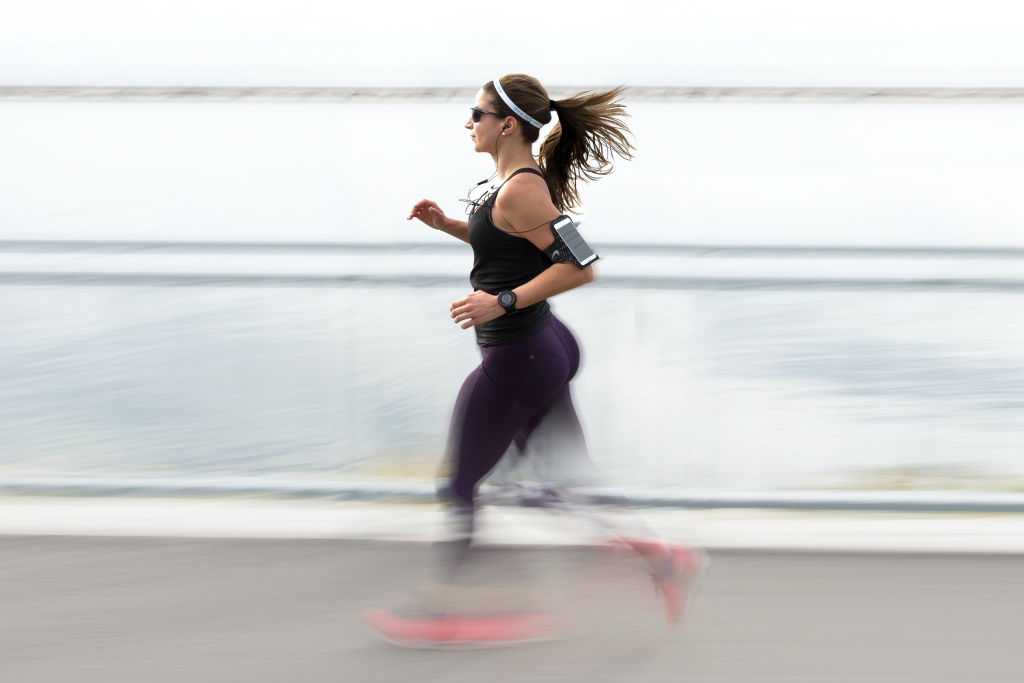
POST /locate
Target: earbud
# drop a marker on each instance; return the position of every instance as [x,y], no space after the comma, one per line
[506,127]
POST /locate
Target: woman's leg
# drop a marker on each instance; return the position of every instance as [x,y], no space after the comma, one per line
[498,399]
[559,443]
[512,386]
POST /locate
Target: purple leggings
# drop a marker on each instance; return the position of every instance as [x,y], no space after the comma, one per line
[514,390]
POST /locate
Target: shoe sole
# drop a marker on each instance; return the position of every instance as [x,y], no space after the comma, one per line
[466,632]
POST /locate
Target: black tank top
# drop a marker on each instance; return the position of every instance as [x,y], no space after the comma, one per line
[503,261]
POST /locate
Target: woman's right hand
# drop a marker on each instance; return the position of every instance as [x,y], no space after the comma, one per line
[430,213]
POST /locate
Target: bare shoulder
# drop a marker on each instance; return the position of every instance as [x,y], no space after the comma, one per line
[525,186]
[523,203]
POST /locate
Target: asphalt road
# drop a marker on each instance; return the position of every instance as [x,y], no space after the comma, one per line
[254,611]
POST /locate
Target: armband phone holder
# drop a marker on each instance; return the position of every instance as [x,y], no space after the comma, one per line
[569,245]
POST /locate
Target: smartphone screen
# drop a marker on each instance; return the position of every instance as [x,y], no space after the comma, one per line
[581,251]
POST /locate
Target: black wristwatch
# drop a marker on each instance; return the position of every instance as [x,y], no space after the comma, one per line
[507,300]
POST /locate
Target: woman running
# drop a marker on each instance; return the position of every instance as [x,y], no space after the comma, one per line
[520,261]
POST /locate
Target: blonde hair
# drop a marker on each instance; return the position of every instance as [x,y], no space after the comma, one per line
[589,133]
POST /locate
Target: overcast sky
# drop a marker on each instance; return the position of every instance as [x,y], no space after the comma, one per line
[442,42]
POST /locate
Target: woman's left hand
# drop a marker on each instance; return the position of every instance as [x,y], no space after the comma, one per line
[478,307]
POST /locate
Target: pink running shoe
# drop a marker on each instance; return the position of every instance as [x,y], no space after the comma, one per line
[680,579]
[467,630]
[677,577]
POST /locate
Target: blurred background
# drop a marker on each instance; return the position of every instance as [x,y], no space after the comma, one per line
[812,273]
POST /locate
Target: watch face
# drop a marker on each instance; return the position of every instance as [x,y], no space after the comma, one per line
[507,298]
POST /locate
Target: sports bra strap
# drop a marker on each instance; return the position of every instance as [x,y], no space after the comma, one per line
[527,169]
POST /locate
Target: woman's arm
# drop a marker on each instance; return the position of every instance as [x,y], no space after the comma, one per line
[480,307]
[431,214]
[559,278]
[524,209]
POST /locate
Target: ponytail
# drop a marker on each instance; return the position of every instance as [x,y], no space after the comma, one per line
[589,133]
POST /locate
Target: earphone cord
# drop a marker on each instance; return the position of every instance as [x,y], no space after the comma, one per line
[477,203]
[512,232]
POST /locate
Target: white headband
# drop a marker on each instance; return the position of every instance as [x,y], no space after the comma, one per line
[513,107]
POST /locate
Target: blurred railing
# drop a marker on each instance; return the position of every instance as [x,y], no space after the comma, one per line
[624,266]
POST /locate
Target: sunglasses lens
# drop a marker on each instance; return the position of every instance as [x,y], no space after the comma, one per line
[476,115]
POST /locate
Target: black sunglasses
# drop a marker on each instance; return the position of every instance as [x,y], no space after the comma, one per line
[478,113]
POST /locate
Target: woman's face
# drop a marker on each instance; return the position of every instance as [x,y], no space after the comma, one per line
[484,132]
